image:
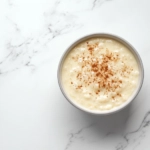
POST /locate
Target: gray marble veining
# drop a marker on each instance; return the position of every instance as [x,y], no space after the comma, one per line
[33,113]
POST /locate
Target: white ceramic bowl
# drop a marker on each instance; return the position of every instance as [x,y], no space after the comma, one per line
[124,42]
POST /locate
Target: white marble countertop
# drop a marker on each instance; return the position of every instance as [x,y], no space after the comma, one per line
[34,115]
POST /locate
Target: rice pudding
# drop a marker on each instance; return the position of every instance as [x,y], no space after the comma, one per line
[99,74]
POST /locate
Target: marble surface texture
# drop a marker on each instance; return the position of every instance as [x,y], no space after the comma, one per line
[34,115]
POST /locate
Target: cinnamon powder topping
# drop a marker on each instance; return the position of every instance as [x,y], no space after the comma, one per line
[100,69]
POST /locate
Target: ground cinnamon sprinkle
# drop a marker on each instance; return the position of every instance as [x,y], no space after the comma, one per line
[101,69]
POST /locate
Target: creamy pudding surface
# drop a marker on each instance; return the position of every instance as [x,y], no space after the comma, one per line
[99,74]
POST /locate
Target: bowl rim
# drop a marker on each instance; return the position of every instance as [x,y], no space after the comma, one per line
[122,41]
